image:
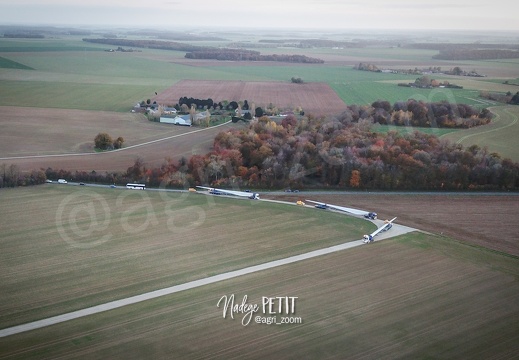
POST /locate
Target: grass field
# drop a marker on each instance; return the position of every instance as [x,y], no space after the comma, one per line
[73,74]
[48,264]
[416,296]
[9,64]
[73,95]
[499,136]
[410,129]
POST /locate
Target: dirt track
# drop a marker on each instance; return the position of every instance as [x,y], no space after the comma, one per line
[491,221]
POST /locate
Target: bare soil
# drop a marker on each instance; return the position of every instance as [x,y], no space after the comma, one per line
[491,221]
[314,98]
[68,137]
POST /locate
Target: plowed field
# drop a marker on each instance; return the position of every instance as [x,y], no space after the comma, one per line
[491,221]
[314,98]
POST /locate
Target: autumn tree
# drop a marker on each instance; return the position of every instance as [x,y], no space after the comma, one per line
[184,108]
[355,178]
[137,170]
[118,143]
[103,141]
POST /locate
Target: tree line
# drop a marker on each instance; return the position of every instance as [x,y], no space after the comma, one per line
[422,114]
[206,52]
[249,55]
[425,82]
[11,176]
[151,44]
[507,98]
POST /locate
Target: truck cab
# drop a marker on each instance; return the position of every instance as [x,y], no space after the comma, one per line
[371,216]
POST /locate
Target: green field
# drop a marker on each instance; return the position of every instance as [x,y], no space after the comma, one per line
[72,95]
[417,296]
[131,77]
[500,136]
[410,129]
[9,64]
[156,240]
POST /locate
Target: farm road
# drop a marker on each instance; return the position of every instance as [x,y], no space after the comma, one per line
[395,231]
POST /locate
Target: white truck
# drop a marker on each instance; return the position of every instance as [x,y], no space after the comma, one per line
[62,181]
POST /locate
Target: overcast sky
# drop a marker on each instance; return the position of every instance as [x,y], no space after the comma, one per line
[299,14]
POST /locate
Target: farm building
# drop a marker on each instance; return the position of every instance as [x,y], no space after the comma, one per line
[177,120]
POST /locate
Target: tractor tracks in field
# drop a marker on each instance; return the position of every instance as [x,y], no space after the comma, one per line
[498,127]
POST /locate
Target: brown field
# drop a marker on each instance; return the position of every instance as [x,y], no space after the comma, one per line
[34,131]
[43,131]
[315,98]
[153,155]
[491,221]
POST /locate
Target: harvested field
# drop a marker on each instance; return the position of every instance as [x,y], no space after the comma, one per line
[314,98]
[43,131]
[58,136]
[153,155]
[491,221]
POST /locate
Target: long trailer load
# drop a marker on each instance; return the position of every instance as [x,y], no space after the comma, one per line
[215,191]
[388,224]
[366,214]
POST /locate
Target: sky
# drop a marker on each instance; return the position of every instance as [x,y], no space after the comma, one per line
[500,15]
